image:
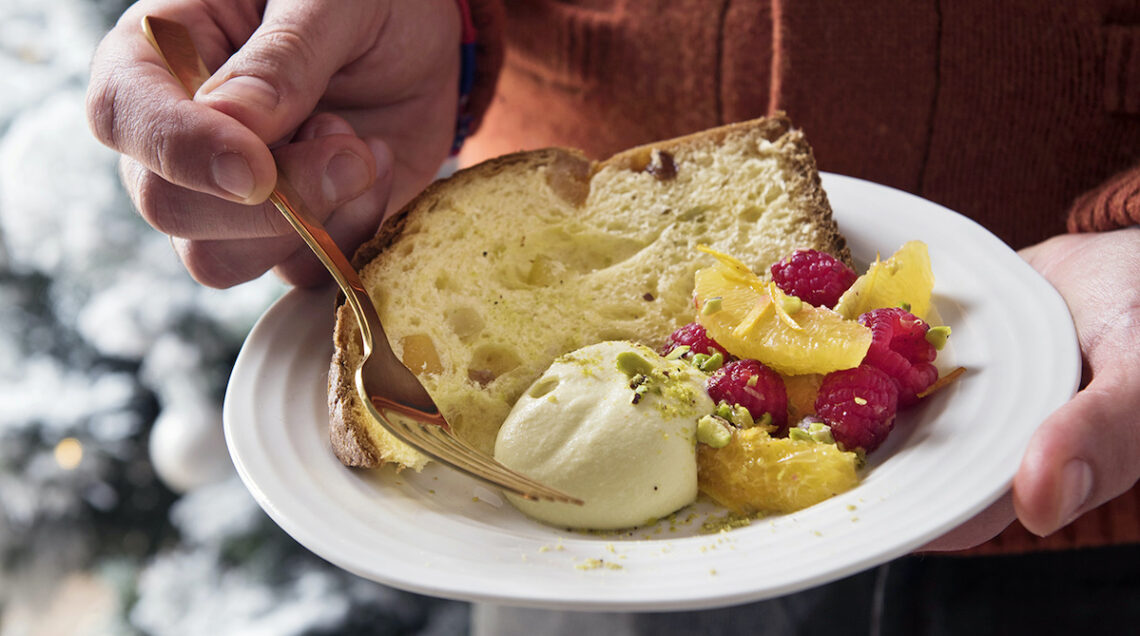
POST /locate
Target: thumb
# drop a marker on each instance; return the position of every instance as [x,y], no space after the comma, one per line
[1083,455]
[275,80]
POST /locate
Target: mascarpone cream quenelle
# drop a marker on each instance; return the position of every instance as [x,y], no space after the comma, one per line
[613,424]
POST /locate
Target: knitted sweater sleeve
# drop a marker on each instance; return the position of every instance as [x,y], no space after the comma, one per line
[1113,205]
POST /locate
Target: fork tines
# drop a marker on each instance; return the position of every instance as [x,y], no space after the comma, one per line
[444,446]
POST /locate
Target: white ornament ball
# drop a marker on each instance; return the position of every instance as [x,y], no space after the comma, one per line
[188,447]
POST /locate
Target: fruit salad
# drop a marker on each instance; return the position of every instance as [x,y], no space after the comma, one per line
[816,363]
[782,383]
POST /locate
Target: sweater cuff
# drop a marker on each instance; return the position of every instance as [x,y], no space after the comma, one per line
[483,27]
[1113,205]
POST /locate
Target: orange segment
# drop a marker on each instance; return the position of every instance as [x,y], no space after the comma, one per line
[802,390]
[906,277]
[757,320]
[759,473]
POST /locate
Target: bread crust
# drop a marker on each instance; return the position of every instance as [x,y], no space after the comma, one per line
[351,441]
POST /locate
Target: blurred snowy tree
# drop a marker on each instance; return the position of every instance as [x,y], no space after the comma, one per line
[112,368]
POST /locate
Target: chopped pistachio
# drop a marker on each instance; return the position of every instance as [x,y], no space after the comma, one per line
[821,433]
[791,304]
[937,336]
[632,364]
[724,410]
[752,380]
[711,306]
[765,421]
[678,353]
[860,401]
[711,363]
[640,387]
[742,417]
[799,435]
[904,306]
[823,437]
[812,432]
[713,431]
[699,359]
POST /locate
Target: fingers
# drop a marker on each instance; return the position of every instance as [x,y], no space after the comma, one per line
[329,163]
[226,263]
[277,77]
[983,527]
[223,262]
[136,107]
[218,143]
[1083,455]
[351,225]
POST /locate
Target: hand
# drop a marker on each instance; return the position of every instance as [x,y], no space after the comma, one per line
[355,100]
[1088,451]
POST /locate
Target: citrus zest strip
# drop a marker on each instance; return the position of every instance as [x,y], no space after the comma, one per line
[737,270]
[942,382]
[774,294]
[754,316]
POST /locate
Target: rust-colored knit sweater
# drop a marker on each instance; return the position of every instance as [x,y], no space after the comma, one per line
[1024,115]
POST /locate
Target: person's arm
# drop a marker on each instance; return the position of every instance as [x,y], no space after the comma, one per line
[1113,205]
[357,103]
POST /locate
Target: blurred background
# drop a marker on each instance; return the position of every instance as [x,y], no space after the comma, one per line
[120,512]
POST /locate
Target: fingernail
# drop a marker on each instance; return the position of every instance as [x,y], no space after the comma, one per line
[251,90]
[383,156]
[232,174]
[332,127]
[346,176]
[1076,486]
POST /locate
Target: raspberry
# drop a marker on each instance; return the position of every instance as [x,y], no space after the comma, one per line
[755,387]
[694,336]
[859,405]
[814,277]
[899,348]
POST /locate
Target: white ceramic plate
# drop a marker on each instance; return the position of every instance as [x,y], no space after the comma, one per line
[442,534]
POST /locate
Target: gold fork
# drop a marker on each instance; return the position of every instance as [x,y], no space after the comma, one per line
[398,390]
